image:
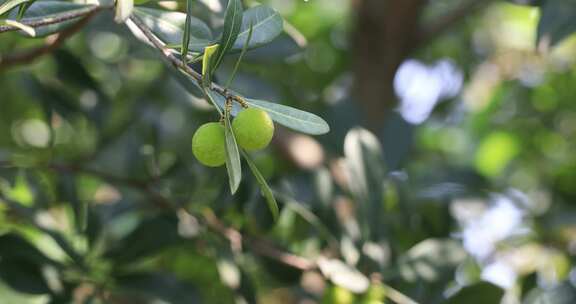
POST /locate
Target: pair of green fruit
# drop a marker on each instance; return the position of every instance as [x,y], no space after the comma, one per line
[252,128]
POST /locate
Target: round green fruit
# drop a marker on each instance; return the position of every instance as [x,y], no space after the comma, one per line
[208,144]
[337,295]
[253,129]
[374,295]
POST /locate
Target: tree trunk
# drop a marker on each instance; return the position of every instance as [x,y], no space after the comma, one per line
[384,34]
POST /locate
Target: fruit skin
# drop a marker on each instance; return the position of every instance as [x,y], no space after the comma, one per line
[253,129]
[374,295]
[209,144]
[337,295]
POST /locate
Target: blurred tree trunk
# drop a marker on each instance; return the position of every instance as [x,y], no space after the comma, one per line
[384,35]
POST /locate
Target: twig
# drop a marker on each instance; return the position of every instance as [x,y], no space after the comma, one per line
[177,63]
[34,22]
[450,19]
[257,245]
[31,55]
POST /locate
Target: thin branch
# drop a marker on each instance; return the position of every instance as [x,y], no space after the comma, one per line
[37,22]
[257,245]
[449,20]
[177,63]
[31,55]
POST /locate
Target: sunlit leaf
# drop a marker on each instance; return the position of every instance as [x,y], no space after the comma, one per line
[207,65]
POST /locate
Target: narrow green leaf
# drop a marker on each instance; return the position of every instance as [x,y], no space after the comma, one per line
[237,65]
[292,118]
[232,25]
[186,36]
[264,188]
[23,8]
[10,4]
[25,28]
[233,165]
[267,24]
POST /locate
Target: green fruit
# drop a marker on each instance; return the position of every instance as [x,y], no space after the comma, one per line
[208,144]
[374,295]
[253,129]
[337,295]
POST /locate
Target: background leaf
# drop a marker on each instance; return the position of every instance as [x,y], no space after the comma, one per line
[480,293]
[558,20]
[186,35]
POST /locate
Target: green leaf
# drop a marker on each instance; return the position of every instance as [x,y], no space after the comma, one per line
[233,165]
[232,25]
[365,166]
[186,36]
[23,275]
[10,4]
[21,263]
[237,65]
[267,25]
[264,188]
[23,8]
[480,293]
[292,118]
[68,191]
[169,27]
[124,9]
[157,287]
[151,236]
[558,20]
[431,260]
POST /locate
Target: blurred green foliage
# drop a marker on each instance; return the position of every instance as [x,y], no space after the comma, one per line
[101,200]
